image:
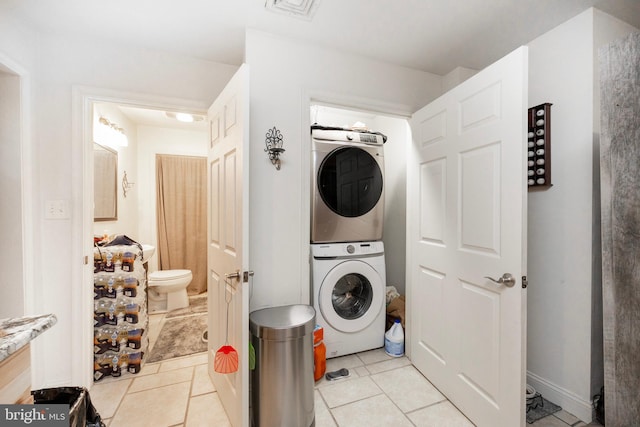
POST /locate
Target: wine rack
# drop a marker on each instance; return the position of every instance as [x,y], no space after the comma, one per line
[539,147]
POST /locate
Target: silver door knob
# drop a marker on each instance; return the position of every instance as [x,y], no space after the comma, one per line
[507,279]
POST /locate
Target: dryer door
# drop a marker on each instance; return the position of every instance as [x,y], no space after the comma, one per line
[351,296]
[350,181]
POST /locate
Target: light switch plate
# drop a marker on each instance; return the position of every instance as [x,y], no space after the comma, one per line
[56,209]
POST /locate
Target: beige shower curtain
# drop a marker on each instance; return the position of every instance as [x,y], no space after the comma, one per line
[181,197]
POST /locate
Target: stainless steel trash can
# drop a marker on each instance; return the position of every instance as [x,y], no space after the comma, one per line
[282,383]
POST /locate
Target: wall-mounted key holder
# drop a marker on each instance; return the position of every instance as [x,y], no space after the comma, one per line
[539,147]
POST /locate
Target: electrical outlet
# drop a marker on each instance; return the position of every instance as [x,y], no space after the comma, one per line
[56,209]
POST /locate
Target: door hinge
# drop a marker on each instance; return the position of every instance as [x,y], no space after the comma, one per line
[524,282]
[236,275]
[246,275]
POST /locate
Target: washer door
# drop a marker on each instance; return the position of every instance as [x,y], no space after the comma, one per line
[351,296]
[350,181]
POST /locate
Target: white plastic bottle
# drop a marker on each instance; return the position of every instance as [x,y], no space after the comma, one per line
[394,340]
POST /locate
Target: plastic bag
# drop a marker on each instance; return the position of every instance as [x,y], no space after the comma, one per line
[82,413]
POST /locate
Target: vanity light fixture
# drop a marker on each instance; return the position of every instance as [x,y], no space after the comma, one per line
[184,117]
[274,148]
[110,134]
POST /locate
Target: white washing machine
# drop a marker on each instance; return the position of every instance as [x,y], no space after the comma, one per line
[347,193]
[349,286]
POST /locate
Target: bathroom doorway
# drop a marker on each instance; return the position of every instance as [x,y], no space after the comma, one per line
[151,133]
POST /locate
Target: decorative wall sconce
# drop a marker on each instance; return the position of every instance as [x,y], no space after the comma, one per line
[274,146]
[126,185]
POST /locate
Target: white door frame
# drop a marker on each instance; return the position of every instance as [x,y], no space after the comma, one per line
[29,216]
[83,99]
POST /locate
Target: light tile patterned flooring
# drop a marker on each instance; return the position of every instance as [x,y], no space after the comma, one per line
[381,391]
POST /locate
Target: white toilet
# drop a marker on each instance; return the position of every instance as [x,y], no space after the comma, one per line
[168,290]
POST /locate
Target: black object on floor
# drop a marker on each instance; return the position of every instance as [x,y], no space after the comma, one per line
[81,410]
[598,405]
[538,407]
[336,375]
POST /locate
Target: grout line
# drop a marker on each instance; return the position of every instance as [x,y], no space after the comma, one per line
[186,409]
[326,406]
[357,400]
[392,401]
[428,406]
[154,388]
[124,395]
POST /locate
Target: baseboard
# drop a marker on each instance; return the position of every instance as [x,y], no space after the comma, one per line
[568,400]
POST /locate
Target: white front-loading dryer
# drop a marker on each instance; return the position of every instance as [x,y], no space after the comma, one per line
[349,286]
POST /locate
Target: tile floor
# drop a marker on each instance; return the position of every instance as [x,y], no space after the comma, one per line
[381,391]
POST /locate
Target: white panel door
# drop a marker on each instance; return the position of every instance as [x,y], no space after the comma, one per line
[228,237]
[466,220]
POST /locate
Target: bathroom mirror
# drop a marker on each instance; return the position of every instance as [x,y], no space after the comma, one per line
[105,173]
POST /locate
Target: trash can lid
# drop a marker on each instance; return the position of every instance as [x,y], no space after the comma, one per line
[283,323]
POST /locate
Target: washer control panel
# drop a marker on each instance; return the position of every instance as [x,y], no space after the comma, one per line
[332,250]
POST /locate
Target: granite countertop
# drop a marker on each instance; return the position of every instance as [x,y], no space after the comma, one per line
[17,332]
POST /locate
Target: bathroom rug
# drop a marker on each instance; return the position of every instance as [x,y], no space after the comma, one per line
[197,304]
[179,336]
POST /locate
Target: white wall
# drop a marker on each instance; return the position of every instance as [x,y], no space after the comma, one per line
[151,141]
[18,42]
[127,222]
[395,202]
[561,226]
[284,76]
[456,76]
[59,65]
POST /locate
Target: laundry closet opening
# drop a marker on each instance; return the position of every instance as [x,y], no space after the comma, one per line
[357,222]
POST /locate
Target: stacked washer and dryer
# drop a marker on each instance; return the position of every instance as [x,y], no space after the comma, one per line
[348,267]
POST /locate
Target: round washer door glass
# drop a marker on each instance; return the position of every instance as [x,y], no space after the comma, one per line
[351,296]
[350,181]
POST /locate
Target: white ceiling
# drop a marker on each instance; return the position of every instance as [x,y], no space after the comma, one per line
[430,35]
[159,118]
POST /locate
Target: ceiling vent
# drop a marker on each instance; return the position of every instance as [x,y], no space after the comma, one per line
[303,9]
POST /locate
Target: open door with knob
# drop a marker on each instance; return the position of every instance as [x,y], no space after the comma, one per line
[507,280]
[228,249]
[466,223]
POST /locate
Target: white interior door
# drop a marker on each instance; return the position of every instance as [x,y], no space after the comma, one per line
[466,209]
[228,249]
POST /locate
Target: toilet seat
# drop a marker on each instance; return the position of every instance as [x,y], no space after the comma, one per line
[167,275]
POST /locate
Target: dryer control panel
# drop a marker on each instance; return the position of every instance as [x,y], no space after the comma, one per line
[346,136]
